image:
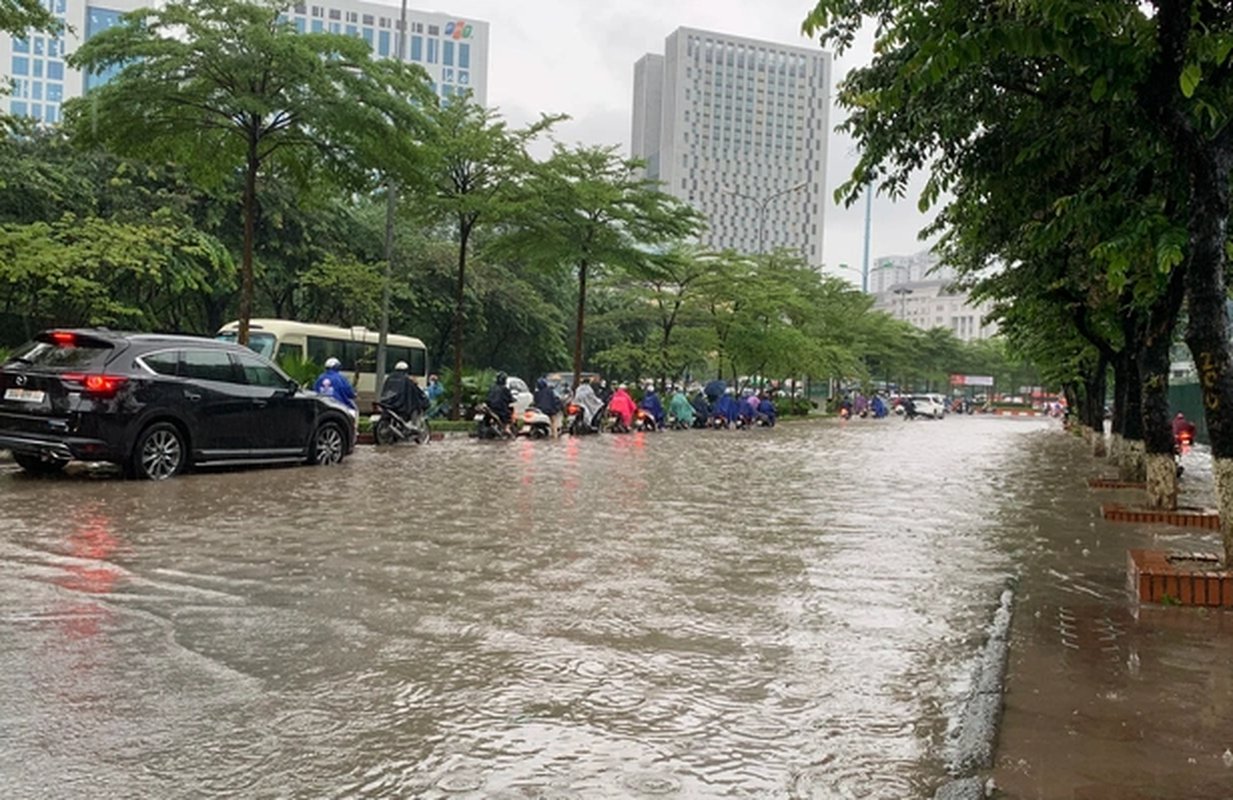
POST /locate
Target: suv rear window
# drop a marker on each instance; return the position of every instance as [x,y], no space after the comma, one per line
[67,351]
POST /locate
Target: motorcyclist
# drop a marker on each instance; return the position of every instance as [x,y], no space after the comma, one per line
[590,405]
[702,409]
[680,409]
[501,401]
[1183,430]
[401,394]
[726,411]
[332,383]
[622,406]
[766,411]
[546,400]
[651,404]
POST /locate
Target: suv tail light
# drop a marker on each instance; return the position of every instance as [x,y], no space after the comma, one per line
[97,385]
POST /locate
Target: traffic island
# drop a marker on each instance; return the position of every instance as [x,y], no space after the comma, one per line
[1183,579]
[1183,516]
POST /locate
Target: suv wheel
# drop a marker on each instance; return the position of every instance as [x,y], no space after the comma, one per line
[39,466]
[328,445]
[160,452]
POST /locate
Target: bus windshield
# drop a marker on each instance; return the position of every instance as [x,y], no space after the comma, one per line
[262,343]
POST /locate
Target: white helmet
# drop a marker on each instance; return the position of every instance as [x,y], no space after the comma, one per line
[402,365]
[332,363]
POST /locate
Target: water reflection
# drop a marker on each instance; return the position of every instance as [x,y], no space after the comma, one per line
[786,612]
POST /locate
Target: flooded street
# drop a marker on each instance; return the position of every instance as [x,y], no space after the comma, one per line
[792,612]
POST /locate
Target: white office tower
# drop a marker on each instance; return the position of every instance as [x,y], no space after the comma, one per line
[453,50]
[738,128]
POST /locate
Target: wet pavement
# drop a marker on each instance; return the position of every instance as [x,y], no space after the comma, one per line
[793,613]
[1106,699]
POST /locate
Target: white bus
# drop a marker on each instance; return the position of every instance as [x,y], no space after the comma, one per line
[356,348]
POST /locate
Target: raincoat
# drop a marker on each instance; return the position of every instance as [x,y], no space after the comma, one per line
[651,404]
[680,408]
[623,406]
[728,408]
[333,383]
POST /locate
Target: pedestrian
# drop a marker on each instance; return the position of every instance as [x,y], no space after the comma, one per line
[332,383]
[434,391]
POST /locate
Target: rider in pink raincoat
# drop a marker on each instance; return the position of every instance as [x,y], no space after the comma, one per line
[622,405]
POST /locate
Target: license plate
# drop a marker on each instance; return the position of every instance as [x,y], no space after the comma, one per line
[24,395]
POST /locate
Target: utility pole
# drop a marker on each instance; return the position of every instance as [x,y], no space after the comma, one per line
[391,207]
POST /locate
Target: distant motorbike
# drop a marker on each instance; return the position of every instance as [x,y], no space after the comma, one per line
[488,425]
[1181,443]
[389,427]
[644,421]
[535,424]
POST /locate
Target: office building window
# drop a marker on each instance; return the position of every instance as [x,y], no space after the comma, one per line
[335,13]
[21,65]
[353,16]
[418,27]
[18,108]
[55,93]
[367,19]
[464,77]
[432,50]
[447,53]
[318,11]
[464,56]
[318,26]
[434,30]
[447,74]
[301,24]
[417,48]
[383,43]
[335,27]
[352,30]
[367,34]
[300,8]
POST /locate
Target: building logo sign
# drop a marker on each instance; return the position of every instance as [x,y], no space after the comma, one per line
[458,30]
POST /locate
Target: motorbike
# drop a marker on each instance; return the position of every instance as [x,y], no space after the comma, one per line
[488,425]
[616,424]
[535,424]
[389,427]
[1181,443]
[579,421]
[644,421]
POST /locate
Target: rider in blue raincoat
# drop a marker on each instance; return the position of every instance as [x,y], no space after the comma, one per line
[650,403]
[728,408]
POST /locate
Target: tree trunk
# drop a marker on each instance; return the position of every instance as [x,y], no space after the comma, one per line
[246,255]
[464,234]
[1207,326]
[1157,431]
[580,322]
[1131,466]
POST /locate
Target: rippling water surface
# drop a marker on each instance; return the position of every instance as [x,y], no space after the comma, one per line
[790,613]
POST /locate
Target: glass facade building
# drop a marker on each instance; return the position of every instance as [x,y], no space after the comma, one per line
[738,128]
[453,50]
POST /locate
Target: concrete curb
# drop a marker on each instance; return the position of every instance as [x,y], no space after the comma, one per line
[973,744]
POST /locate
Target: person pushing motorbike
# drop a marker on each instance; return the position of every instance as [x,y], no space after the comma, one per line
[501,401]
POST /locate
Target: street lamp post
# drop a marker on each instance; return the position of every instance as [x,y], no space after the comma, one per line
[391,207]
[763,203]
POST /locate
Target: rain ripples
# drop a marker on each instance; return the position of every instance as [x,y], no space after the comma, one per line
[702,614]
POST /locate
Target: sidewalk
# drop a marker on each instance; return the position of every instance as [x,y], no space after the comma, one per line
[1106,699]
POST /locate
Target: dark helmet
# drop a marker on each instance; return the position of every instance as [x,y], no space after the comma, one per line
[502,378]
[542,383]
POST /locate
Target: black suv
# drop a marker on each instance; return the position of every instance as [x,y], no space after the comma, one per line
[157,404]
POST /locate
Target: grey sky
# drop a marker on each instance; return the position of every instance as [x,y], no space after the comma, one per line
[577,57]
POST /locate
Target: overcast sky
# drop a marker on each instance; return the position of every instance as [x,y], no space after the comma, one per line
[577,57]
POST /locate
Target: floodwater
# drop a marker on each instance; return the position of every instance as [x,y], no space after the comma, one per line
[784,613]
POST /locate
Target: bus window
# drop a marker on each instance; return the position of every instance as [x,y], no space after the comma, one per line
[416,358]
[292,351]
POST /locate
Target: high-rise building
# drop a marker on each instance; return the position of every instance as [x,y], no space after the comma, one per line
[453,50]
[737,128]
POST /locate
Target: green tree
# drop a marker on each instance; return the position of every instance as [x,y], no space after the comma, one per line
[472,163]
[586,210]
[17,17]
[223,86]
